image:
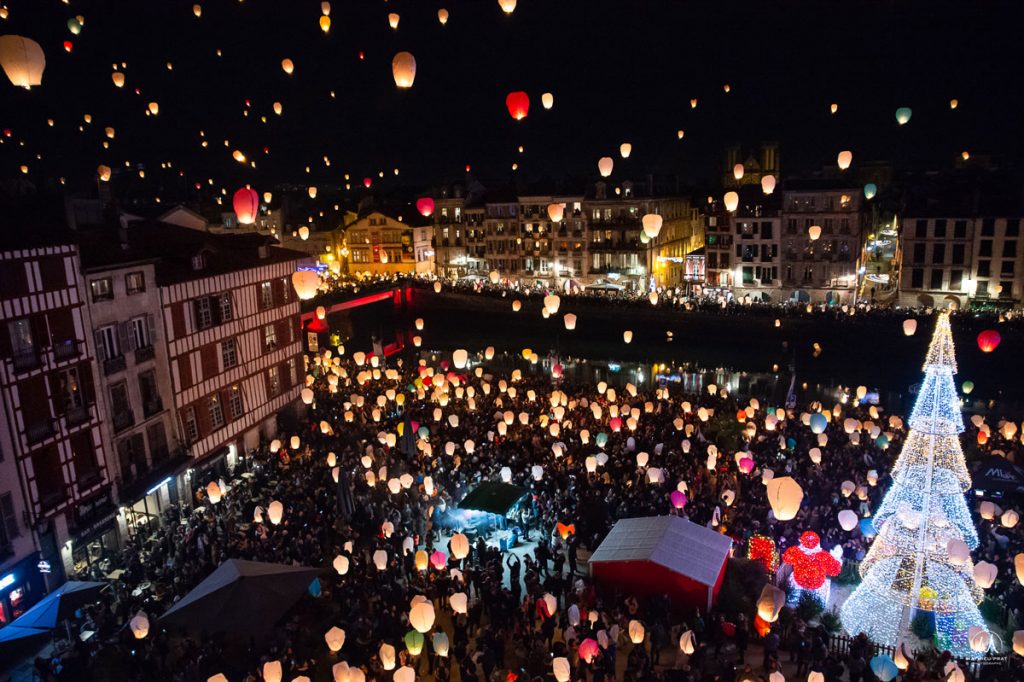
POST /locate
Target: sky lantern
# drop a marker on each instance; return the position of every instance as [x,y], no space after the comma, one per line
[459,358]
[139,625]
[312,191]
[246,203]
[442,16]
[118,79]
[770,603]
[22,60]
[870,190]
[988,340]
[518,104]
[507,6]
[833,107]
[652,224]
[570,321]
[814,232]
[303,233]
[625,149]
[153,109]
[393,20]
[288,66]
[425,205]
[103,172]
[109,131]
[335,638]
[909,327]
[844,159]
[213,492]
[275,512]
[403,68]
[680,134]
[325,23]
[605,165]
[517,305]
[737,171]
[278,108]
[693,103]
[421,616]
[556,212]
[551,303]
[306,283]
[848,519]
[547,100]
[272,671]
[768,184]
[325,8]
[903,115]
[784,495]
[560,667]
[732,201]
[197,10]
[954,103]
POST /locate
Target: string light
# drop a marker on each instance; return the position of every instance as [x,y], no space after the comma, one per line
[909,566]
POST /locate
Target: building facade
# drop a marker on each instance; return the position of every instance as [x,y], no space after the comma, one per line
[55,491]
[937,260]
[822,269]
[998,264]
[135,384]
[380,245]
[234,348]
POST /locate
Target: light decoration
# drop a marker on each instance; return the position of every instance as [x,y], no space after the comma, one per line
[909,566]
[812,568]
[762,549]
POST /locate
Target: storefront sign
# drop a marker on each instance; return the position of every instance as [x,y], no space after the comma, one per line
[43,566]
[6,581]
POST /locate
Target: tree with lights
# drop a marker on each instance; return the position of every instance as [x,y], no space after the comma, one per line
[910,566]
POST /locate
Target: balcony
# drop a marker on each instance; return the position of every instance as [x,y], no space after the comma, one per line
[39,431]
[151,407]
[114,365]
[123,420]
[144,354]
[77,414]
[25,360]
[65,350]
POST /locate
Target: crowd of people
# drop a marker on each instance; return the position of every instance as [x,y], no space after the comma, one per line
[409,437]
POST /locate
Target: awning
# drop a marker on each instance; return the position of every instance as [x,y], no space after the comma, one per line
[494,497]
[241,597]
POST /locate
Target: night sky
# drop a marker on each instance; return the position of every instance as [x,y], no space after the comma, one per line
[620,71]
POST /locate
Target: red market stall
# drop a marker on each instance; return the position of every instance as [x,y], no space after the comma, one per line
[663,555]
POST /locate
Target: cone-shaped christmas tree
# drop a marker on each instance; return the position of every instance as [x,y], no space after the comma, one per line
[909,566]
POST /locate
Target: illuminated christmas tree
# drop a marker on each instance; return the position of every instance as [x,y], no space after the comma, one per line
[910,567]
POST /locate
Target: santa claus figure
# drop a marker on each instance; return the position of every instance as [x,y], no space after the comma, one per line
[812,568]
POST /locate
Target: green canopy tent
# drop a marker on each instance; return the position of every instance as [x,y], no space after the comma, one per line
[493,497]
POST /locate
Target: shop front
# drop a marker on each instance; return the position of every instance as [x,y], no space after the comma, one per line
[95,540]
[21,586]
[156,496]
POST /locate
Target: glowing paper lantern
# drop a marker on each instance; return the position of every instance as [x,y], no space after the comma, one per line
[627,336]
[213,492]
[652,223]
[403,68]
[556,212]
[814,232]
[305,283]
[22,60]
[425,206]
[393,20]
[460,546]
[560,666]
[272,671]
[732,201]
[275,511]
[139,625]
[518,104]
[903,115]
[380,559]
[988,340]
[459,602]
[909,327]
[547,100]
[421,616]
[570,321]
[768,184]
[848,519]
[386,653]
[442,16]
[551,303]
[246,203]
[507,6]
[844,159]
[979,639]
[1009,519]
[605,165]
[636,631]
[335,638]
[625,149]
[1018,642]
[341,564]
[770,603]
[687,642]
[958,551]
[985,574]
[103,172]
[784,495]
[884,668]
